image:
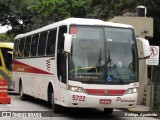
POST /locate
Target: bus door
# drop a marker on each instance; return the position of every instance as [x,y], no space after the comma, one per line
[61,62]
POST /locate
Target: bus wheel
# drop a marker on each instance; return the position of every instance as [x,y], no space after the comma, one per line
[22,95]
[50,91]
[56,108]
[108,110]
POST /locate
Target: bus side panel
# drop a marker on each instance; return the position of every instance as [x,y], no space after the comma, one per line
[35,75]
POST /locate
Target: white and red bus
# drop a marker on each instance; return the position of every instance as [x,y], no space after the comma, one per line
[78,63]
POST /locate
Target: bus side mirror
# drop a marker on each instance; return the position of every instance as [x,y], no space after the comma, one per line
[143,48]
[67,43]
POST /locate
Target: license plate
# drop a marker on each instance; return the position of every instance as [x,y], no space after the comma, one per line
[105,101]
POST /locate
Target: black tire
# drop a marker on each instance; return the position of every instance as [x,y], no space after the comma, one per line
[50,91]
[22,95]
[108,111]
[56,108]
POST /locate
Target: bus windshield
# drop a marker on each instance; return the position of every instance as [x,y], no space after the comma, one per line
[103,55]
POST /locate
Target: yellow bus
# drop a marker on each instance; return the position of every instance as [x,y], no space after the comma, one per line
[6,50]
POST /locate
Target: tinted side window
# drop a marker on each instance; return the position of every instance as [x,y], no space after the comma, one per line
[27,46]
[21,47]
[42,43]
[34,45]
[51,42]
[7,57]
[15,52]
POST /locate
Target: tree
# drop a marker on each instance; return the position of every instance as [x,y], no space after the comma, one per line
[15,14]
[107,9]
[6,38]
[49,11]
[27,15]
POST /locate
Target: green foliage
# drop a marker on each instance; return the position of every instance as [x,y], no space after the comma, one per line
[156,106]
[107,9]
[26,15]
[49,11]
[156,102]
[15,14]
[6,38]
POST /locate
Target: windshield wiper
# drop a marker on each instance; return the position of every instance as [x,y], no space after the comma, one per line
[99,59]
[109,60]
[96,67]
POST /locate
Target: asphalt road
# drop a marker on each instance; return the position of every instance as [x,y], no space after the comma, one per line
[26,110]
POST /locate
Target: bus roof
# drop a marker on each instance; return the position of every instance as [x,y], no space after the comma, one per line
[75,21]
[6,45]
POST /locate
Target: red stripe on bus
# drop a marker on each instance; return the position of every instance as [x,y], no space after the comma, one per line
[21,67]
[104,92]
[94,91]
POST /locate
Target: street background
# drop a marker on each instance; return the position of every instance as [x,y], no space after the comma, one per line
[36,106]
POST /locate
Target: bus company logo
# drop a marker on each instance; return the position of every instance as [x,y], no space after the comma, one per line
[119,99]
[48,64]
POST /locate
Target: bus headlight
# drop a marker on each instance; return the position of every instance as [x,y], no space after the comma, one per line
[131,90]
[75,89]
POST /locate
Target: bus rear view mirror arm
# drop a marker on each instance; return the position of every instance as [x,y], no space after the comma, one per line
[67,42]
[144,48]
